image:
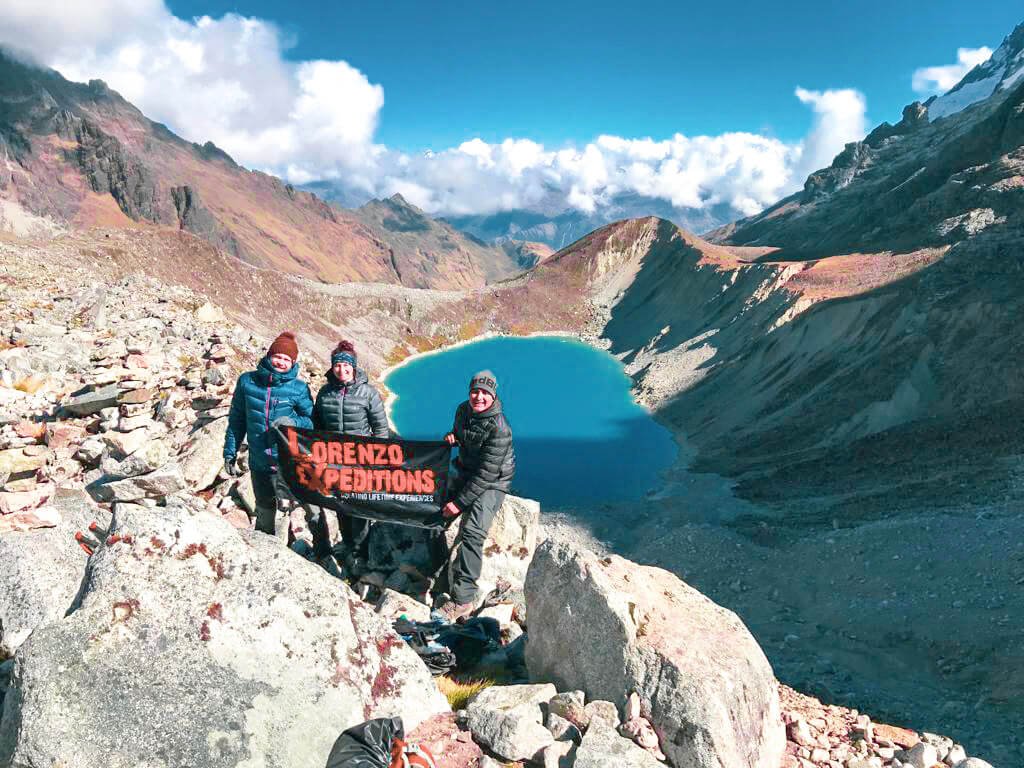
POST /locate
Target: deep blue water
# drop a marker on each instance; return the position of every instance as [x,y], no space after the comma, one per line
[579,436]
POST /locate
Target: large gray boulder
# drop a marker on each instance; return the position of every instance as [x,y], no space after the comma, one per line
[602,747]
[43,569]
[200,645]
[202,457]
[608,627]
[507,718]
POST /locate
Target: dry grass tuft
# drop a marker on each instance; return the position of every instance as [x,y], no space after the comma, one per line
[459,693]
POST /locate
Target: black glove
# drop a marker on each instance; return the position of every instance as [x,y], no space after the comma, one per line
[231,469]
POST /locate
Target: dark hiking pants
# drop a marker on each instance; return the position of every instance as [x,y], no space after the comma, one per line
[469,557]
[354,535]
[264,488]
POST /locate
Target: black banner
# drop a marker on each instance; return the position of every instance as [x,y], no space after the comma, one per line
[395,481]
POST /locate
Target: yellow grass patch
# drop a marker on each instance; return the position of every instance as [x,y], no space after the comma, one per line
[459,693]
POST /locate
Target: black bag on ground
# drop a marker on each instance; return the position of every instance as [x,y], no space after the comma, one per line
[444,647]
[367,745]
[471,640]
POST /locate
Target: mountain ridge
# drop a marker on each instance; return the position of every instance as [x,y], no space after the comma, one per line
[83,155]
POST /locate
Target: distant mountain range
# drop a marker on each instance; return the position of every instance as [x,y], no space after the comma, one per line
[563,228]
[554,226]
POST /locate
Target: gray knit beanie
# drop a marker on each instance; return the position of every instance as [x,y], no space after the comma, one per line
[485,380]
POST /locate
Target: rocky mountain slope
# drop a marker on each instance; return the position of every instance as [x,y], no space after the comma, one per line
[81,156]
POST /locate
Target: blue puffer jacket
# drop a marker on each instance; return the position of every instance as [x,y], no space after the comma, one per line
[261,397]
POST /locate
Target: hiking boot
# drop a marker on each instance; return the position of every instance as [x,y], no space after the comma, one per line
[452,612]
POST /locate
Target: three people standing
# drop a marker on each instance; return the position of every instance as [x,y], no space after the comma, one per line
[349,404]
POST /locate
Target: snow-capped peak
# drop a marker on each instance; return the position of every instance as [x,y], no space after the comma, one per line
[1001,72]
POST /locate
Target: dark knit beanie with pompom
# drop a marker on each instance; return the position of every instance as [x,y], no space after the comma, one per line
[345,352]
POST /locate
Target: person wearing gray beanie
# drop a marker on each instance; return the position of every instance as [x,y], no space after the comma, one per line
[486,465]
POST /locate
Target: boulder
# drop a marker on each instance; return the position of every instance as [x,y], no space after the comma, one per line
[609,627]
[392,605]
[602,747]
[570,705]
[43,569]
[197,644]
[972,762]
[29,519]
[202,457]
[209,313]
[602,713]
[122,444]
[163,482]
[93,402]
[510,543]
[18,501]
[16,461]
[508,548]
[146,459]
[922,755]
[507,718]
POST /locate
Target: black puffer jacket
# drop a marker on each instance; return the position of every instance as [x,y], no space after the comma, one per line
[487,459]
[352,409]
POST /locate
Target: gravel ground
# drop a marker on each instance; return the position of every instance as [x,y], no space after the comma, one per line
[917,620]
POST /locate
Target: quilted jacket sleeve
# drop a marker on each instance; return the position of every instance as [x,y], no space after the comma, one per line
[377,415]
[304,407]
[493,453]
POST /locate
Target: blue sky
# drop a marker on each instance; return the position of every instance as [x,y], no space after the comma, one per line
[569,71]
[469,108]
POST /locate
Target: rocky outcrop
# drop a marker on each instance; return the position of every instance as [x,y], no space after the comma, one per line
[508,719]
[915,116]
[196,218]
[205,646]
[111,169]
[609,627]
[43,569]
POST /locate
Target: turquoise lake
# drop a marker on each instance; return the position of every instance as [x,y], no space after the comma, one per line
[579,436]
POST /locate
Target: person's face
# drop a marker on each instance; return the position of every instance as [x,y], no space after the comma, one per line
[479,400]
[281,363]
[344,371]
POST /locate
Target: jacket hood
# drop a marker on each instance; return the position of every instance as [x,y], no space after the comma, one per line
[360,378]
[265,371]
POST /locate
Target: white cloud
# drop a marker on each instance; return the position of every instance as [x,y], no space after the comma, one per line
[935,80]
[839,118]
[226,80]
[223,80]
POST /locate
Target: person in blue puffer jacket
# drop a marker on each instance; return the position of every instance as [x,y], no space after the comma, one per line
[271,393]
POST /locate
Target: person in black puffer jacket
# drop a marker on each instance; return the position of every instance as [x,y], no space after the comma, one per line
[486,465]
[348,404]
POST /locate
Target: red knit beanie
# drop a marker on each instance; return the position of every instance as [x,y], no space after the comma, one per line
[285,345]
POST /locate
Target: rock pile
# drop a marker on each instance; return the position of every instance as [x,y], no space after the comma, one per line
[123,390]
[826,735]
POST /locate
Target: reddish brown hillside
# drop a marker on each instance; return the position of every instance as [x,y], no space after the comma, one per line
[81,154]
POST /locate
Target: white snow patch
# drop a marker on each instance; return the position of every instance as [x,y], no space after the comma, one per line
[1009,81]
[955,101]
